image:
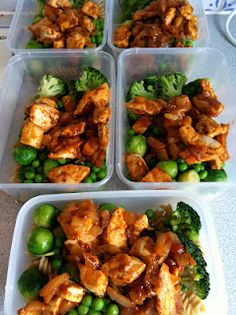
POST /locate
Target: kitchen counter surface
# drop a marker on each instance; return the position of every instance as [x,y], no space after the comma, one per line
[222,207]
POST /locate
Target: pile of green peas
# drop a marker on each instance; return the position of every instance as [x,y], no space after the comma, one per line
[96,173]
[97,39]
[91,305]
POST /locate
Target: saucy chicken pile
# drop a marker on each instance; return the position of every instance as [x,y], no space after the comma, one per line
[61,25]
[160,24]
[134,260]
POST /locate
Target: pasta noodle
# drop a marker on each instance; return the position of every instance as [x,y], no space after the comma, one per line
[43,265]
[101,4]
[192,304]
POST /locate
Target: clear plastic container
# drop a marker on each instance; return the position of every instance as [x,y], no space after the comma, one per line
[137,201]
[19,35]
[135,64]
[114,22]
[21,82]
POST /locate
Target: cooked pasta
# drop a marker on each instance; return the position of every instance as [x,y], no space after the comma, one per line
[192,304]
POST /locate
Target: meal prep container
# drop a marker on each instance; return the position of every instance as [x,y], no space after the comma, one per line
[20,84]
[114,22]
[19,35]
[135,64]
[137,201]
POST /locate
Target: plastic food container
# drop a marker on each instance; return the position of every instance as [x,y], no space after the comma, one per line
[114,22]
[19,35]
[21,82]
[137,201]
[135,64]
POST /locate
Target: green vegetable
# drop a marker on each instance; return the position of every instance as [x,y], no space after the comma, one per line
[108,206]
[88,180]
[128,7]
[60,105]
[101,174]
[183,167]
[39,178]
[189,176]
[95,169]
[187,42]
[198,167]
[35,164]
[87,300]
[33,44]
[77,3]
[216,176]
[57,262]
[107,301]
[150,214]
[72,91]
[49,165]
[90,79]
[192,88]
[40,6]
[131,132]
[36,19]
[93,312]
[40,241]
[137,145]
[170,167]
[137,88]
[93,40]
[170,85]
[186,221]
[98,304]
[93,176]
[195,278]
[59,237]
[30,174]
[203,175]
[45,215]
[180,161]
[99,38]
[28,181]
[24,155]
[113,309]
[132,117]
[73,312]
[31,282]
[43,156]
[71,270]
[51,86]
[83,310]
[156,131]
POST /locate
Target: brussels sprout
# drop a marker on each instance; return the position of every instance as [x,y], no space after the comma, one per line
[170,167]
[45,215]
[31,282]
[40,241]
[49,165]
[24,155]
[189,176]
[108,206]
[216,176]
[137,144]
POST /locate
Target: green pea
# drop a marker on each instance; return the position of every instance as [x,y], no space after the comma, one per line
[95,169]
[107,301]
[131,132]
[35,164]
[183,167]
[62,161]
[180,161]
[93,176]
[42,156]
[39,178]
[60,105]
[202,167]
[49,165]
[93,40]
[57,263]
[99,39]
[59,242]
[87,300]
[108,206]
[203,175]
[197,167]
[98,304]
[28,181]
[93,312]
[89,164]
[132,116]
[40,170]
[101,174]
[83,310]
[73,312]
[150,214]
[113,309]
[56,251]
[88,180]
[104,166]
[29,175]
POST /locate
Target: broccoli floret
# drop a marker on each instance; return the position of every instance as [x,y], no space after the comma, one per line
[186,221]
[187,42]
[91,79]
[137,88]
[192,88]
[51,86]
[33,44]
[151,80]
[77,3]
[170,85]
[72,91]
[195,278]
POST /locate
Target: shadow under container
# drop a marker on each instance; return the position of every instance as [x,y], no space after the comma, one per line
[136,64]
[21,82]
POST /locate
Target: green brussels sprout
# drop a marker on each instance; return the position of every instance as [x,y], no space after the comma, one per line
[45,215]
[24,155]
[108,206]
[189,176]
[216,176]
[170,167]
[49,164]
[137,144]
[40,241]
[31,282]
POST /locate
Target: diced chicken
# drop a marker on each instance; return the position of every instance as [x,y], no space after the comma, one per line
[149,308]
[142,124]
[44,116]
[90,8]
[157,175]
[143,248]
[71,292]
[46,101]
[59,43]
[75,40]
[123,269]
[137,167]
[98,158]
[66,306]
[34,307]
[59,3]
[68,103]
[186,11]
[91,146]
[99,97]
[68,174]
[207,105]
[51,12]
[88,24]
[143,106]
[207,89]
[162,246]
[73,130]
[115,233]
[159,147]
[192,28]
[68,148]
[169,18]
[67,20]
[210,127]
[103,136]
[93,280]
[55,305]
[122,35]
[101,114]
[137,224]
[32,135]
[177,106]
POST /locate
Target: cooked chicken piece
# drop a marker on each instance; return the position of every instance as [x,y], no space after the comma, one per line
[210,127]
[177,106]
[177,28]
[150,11]
[51,12]
[207,105]
[156,175]
[98,158]
[186,11]
[103,136]
[136,224]
[116,296]
[123,269]
[192,28]
[99,97]
[59,43]
[59,3]
[68,103]
[93,280]
[137,167]
[67,20]
[71,292]
[143,248]
[149,308]
[115,233]
[73,130]
[44,116]
[101,114]
[88,24]
[68,174]
[91,9]
[75,40]
[159,147]
[46,101]
[142,124]
[207,89]
[91,260]
[169,18]
[66,306]
[66,149]
[34,307]
[122,35]
[54,305]
[91,146]
[77,248]
[174,150]
[32,135]
[168,299]
[162,246]
[66,118]
[142,106]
